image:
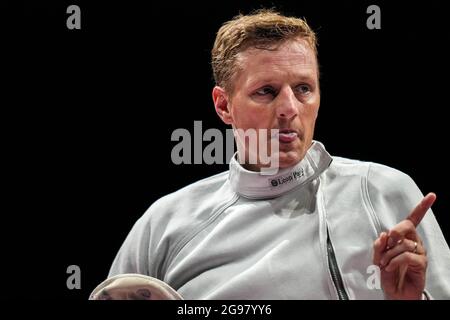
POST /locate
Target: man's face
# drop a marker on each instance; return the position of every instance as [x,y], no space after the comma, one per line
[277,89]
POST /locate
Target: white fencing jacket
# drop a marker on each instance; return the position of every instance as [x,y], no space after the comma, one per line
[305,233]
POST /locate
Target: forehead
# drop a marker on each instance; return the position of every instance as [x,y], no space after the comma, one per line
[294,58]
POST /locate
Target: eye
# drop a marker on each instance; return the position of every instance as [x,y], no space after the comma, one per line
[304,89]
[265,91]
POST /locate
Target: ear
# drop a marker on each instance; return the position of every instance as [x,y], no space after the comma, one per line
[222,105]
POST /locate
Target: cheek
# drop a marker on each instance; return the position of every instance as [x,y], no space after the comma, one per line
[311,109]
[252,117]
[308,118]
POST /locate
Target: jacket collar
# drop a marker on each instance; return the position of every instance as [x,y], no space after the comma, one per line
[254,185]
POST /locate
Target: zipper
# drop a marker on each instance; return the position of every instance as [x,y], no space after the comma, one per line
[334,270]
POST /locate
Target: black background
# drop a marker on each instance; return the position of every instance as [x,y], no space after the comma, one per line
[87,115]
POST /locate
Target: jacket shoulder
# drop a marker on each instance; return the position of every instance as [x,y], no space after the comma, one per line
[188,200]
[391,193]
[375,172]
[341,167]
[166,222]
[380,180]
[195,191]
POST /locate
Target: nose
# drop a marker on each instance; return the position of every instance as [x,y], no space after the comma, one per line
[287,104]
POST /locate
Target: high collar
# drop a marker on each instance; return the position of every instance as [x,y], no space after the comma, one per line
[254,185]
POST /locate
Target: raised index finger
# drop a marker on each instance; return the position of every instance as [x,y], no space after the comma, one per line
[419,212]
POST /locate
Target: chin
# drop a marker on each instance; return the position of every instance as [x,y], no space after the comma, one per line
[289,159]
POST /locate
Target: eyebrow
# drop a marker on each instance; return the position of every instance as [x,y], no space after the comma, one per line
[256,82]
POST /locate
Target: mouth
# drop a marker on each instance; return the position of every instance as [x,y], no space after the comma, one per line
[287,135]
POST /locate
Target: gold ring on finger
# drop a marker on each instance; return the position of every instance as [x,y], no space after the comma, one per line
[415,247]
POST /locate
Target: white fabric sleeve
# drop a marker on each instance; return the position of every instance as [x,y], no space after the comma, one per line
[133,255]
[393,196]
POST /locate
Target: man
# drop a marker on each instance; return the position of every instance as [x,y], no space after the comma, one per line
[317,227]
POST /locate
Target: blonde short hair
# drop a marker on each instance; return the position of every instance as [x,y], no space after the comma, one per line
[260,29]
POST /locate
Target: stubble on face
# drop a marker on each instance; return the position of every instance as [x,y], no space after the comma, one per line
[285,65]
